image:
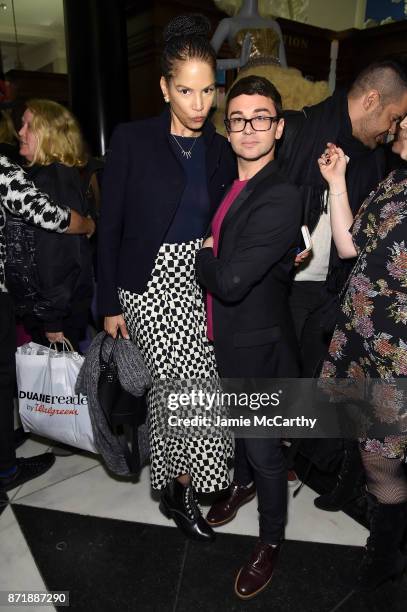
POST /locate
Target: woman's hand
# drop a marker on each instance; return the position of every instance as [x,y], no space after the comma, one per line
[55,336]
[112,324]
[332,164]
[208,243]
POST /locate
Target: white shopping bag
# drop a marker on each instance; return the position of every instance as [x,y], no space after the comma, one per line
[47,400]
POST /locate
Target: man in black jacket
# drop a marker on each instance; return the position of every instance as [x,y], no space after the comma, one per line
[246,266]
[358,121]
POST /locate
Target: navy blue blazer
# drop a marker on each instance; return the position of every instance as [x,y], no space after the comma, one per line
[142,187]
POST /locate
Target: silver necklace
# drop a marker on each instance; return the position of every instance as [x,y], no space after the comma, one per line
[186,154]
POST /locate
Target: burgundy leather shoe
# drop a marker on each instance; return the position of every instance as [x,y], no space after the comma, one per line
[258,571]
[226,509]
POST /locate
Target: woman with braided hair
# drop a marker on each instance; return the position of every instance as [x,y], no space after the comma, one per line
[164,179]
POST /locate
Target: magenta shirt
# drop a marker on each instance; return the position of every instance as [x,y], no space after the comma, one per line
[216,225]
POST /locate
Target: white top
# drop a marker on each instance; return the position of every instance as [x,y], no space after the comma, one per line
[315,267]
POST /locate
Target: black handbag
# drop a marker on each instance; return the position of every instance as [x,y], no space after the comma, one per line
[119,406]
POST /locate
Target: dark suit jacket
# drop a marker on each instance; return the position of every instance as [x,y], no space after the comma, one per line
[250,279]
[142,187]
[305,136]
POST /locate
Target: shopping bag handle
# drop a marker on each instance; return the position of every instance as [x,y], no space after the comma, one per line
[65,343]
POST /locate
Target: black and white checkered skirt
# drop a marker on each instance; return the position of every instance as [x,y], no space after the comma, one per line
[168,324]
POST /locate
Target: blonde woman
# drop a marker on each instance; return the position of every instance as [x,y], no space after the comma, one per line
[49,275]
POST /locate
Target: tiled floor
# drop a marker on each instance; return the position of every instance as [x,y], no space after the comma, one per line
[76,528]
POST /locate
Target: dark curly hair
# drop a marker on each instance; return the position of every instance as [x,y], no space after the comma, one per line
[186,37]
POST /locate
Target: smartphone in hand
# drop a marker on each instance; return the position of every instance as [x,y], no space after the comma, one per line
[306,242]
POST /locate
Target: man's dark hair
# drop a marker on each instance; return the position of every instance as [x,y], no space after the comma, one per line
[388,76]
[251,85]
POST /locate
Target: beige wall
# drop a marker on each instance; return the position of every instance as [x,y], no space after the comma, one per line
[337,14]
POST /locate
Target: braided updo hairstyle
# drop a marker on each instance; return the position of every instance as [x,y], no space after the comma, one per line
[186,37]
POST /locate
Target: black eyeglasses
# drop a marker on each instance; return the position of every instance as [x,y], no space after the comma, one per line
[258,124]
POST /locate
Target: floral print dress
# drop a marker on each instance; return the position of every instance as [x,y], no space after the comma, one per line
[370,339]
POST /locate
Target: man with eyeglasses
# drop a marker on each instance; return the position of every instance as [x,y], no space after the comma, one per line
[246,268]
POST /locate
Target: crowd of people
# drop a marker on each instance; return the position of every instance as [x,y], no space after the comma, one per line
[234,301]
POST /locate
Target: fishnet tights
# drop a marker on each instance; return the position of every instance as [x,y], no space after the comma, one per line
[385,478]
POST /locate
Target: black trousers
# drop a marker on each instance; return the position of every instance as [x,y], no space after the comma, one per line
[7,382]
[308,303]
[262,460]
[308,300]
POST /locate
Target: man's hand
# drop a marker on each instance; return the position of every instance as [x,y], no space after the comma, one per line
[55,336]
[112,324]
[301,257]
[81,225]
[92,227]
[208,243]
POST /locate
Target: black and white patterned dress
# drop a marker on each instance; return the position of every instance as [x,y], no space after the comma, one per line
[168,324]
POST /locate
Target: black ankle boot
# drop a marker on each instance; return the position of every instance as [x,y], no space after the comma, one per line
[179,503]
[383,559]
[349,483]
